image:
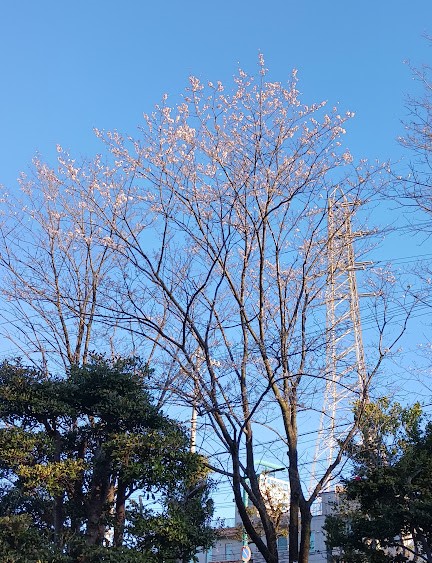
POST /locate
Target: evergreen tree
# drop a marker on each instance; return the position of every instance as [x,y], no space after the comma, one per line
[385,513]
[77,455]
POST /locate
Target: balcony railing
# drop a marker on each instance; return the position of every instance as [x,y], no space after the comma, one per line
[227,558]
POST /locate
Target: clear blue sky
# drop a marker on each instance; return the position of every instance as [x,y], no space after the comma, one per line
[67,67]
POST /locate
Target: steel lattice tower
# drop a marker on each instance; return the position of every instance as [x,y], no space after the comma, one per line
[345,374]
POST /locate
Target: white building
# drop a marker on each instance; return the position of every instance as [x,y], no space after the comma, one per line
[229,546]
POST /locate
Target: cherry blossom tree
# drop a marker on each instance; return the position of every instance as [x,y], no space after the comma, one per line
[223,224]
[53,263]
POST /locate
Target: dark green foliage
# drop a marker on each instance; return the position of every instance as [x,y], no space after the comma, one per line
[179,523]
[386,511]
[22,542]
[76,451]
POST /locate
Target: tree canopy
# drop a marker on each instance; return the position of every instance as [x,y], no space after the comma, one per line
[92,471]
[385,513]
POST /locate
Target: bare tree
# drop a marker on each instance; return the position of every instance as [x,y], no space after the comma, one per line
[417,185]
[53,263]
[223,224]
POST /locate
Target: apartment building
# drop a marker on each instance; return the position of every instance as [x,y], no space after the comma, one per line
[228,548]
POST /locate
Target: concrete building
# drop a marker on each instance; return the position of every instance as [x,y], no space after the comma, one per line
[229,546]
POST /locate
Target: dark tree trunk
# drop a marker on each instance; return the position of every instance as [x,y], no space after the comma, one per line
[96,528]
[97,506]
[268,549]
[77,516]
[295,499]
[58,499]
[58,520]
[306,520]
[120,515]
[293,528]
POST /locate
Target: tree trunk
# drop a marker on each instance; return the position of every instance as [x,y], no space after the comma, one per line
[95,532]
[295,498]
[97,505]
[306,520]
[76,518]
[120,514]
[267,549]
[58,520]
[58,499]
[293,528]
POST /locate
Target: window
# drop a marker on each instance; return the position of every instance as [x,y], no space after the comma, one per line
[282,544]
[312,541]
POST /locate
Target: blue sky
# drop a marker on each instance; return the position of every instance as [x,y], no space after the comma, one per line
[67,67]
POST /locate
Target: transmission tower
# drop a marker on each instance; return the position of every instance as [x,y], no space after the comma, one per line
[346,377]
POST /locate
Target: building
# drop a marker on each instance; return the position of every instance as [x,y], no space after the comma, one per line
[229,546]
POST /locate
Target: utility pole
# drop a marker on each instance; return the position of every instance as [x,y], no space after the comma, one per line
[193,421]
